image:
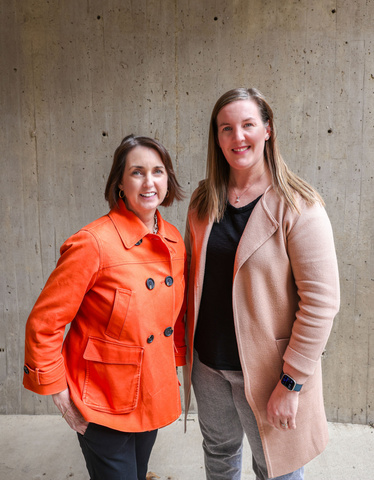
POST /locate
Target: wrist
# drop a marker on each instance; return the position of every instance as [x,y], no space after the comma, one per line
[289,383]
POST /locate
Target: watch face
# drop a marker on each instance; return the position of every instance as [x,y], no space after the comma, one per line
[288,382]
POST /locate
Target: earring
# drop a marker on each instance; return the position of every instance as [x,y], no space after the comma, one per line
[121,194]
[167,194]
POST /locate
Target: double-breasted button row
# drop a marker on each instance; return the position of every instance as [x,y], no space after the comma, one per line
[169,281]
[151,283]
[167,332]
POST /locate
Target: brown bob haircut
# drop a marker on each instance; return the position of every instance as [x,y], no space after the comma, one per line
[119,163]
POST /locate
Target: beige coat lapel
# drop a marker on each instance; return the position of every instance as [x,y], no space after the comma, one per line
[199,230]
[260,227]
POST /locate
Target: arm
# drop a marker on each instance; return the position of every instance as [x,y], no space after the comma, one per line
[55,308]
[312,255]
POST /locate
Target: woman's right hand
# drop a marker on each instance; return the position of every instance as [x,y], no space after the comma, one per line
[69,411]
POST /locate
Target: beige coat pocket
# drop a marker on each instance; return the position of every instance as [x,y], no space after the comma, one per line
[112,379]
[282,344]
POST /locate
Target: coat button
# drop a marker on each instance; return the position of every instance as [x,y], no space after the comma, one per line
[26,370]
[169,281]
[168,331]
[150,283]
[150,339]
[139,243]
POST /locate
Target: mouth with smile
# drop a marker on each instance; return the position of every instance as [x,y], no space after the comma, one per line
[241,149]
[148,195]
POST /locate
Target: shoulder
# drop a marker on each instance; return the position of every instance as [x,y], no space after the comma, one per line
[277,206]
[172,231]
[201,188]
[88,236]
[97,225]
[199,196]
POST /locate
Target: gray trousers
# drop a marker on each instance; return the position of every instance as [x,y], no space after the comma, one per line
[224,417]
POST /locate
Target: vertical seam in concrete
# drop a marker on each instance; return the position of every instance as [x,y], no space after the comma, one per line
[34,135]
[368,370]
[367,399]
[176,83]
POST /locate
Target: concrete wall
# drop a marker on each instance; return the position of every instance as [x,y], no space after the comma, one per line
[76,76]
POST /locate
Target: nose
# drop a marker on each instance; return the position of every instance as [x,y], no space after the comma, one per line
[238,133]
[148,180]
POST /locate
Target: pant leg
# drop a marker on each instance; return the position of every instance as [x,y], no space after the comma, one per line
[144,442]
[296,475]
[219,423]
[115,455]
[249,423]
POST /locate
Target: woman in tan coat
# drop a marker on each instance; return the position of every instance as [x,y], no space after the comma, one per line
[263,292]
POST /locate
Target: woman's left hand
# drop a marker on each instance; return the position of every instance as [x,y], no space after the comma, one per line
[282,408]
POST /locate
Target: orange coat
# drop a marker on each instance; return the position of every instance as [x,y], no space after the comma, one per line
[123,291]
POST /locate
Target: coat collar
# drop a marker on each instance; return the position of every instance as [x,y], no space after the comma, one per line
[260,227]
[131,229]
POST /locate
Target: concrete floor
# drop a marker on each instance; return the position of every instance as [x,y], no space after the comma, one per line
[44,448]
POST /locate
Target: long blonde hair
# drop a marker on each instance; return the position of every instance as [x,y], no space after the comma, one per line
[211,195]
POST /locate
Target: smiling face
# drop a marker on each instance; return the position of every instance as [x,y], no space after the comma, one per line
[144,182]
[241,134]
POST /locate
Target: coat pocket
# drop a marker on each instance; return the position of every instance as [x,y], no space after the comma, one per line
[112,379]
[282,344]
[119,313]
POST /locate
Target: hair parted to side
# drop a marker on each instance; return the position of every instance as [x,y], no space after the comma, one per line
[130,142]
[211,196]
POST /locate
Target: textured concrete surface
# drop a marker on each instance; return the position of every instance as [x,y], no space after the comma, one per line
[77,76]
[44,448]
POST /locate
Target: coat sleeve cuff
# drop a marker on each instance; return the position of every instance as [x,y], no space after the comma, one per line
[45,382]
[298,365]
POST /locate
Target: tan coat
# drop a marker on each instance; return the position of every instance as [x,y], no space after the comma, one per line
[285,296]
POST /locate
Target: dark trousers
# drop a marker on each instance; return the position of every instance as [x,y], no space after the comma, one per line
[114,455]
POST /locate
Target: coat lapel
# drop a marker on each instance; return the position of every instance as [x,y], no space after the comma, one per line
[200,230]
[131,229]
[261,226]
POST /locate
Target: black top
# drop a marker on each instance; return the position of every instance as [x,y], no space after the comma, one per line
[215,339]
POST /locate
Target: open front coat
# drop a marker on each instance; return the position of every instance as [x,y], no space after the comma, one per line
[122,289]
[285,296]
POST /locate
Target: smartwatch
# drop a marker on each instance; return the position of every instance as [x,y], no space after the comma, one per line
[290,383]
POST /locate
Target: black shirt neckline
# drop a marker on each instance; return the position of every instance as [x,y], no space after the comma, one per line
[244,207]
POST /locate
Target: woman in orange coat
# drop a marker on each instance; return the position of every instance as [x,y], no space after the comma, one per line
[119,283]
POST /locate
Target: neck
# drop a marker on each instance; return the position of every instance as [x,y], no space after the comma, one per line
[240,180]
[148,218]
[149,221]
[245,186]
